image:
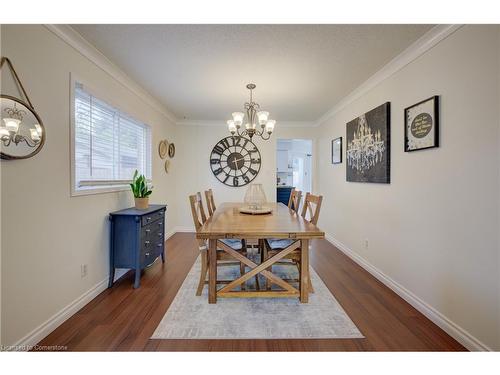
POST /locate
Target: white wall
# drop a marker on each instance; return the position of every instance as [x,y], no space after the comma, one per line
[194,146]
[46,234]
[434,229]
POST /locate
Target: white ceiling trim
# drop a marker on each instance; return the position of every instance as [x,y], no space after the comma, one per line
[75,40]
[283,124]
[415,50]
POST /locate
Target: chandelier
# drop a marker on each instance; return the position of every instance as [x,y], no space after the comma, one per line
[10,133]
[253,116]
[366,148]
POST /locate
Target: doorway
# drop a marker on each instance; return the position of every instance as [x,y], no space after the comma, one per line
[293,167]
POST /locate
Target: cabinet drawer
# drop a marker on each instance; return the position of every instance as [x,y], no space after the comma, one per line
[152,217]
[150,252]
[152,232]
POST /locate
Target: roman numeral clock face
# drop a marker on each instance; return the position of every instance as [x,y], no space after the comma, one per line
[235,161]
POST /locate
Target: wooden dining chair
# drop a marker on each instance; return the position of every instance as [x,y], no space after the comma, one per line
[223,259]
[209,196]
[310,212]
[294,201]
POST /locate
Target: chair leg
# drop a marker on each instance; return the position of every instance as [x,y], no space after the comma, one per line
[264,257]
[203,273]
[242,272]
[259,250]
[257,283]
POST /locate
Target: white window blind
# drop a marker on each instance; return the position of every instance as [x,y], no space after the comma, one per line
[109,145]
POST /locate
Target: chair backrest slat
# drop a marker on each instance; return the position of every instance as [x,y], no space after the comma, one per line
[209,196]
[294,201]
[198,213]
[312,206]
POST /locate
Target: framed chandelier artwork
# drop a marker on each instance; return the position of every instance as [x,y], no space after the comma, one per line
[422,125]
[368,146]
[22,134]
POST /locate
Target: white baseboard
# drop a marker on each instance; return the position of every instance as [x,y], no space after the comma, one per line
[453,329]
[43,330]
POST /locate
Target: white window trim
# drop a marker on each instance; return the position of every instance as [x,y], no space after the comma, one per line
[101,186]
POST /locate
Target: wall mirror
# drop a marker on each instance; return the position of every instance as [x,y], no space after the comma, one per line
[22,133]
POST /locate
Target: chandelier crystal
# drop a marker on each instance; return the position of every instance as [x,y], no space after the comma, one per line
[256,122]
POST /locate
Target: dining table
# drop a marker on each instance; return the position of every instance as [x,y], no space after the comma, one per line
[227,222]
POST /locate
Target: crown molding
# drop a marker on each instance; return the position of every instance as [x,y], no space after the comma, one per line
[416,49]
[218,123]
[75,40]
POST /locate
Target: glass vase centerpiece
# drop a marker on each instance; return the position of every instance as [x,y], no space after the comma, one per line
[255,198]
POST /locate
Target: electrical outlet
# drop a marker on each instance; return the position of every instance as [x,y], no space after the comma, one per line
[83,270]
[366,244]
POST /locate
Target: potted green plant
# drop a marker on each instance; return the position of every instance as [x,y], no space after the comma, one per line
[141,191]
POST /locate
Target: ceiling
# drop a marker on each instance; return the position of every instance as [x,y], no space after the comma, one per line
[199,72]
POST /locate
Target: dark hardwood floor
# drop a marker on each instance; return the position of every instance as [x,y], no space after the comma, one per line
[123,318]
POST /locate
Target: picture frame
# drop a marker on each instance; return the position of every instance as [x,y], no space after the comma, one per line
[422,125]
[368,146]
[337,150]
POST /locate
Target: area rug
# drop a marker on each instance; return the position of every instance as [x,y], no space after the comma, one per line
[192,317]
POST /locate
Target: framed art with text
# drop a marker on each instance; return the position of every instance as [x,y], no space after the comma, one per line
[368,146]
[337,150]
[422,125]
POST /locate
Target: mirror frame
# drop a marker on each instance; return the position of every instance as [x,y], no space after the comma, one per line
[5,156]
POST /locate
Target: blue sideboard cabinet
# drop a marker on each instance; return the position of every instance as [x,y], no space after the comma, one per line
[136,240]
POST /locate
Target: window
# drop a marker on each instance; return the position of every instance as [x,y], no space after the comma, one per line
[108,145]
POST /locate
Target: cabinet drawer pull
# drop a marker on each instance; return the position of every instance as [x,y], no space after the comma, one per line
[146,243]
[160,224]
[147,254]
[148,230]
[159,245]
[148,218]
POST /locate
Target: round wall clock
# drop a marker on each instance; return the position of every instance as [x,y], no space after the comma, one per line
[235,161]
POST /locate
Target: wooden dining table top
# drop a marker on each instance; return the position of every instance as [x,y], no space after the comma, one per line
[228,222]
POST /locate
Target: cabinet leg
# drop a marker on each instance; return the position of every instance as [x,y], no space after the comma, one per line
[137,282]
[163,256]
[111,277]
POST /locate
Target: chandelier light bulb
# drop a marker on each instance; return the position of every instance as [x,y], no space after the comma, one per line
[263,116]
[12,124]
[238,118]
[231,126]
[270,125]
[34,135]
[38,129]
